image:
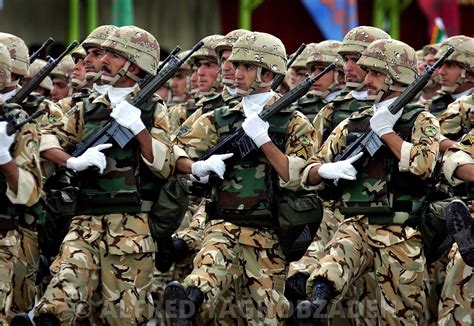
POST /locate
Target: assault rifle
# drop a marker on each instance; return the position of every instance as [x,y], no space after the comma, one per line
[43,46]
[122,135]
[33,84]
[369,143]
[13,126]
[239,143]
[279,79]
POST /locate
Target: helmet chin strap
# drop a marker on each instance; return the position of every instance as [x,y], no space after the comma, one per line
[388,85]
[11,83]
[93,76]
[122,72]
[355,86]
[258,83]
[77,83]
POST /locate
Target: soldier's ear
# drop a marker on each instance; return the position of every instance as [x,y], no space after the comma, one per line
[134,69]
[470,76]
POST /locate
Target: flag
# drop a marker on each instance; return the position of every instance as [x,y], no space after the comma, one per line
[122,12]
[439,31]
[447,10]
[334,18]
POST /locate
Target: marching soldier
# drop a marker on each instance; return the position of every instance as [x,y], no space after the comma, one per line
[61,76]
[428,58]
[298,67]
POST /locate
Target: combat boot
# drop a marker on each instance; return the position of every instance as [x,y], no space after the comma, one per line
[460,227]
[21,319]
[295,292]
[312,312]
[181,304]
[46,320]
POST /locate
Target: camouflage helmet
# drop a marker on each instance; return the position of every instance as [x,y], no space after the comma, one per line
[64,68]
[98,36]
[325,52]
[419,55]
[137,45]
[208,50]
[35,67]
[393,58]
[185,65]
[463,50]
[359,38]
[78,52]
[300,61]
[430,48]
[261,49]
[5,66]
[228,41]
[18,53]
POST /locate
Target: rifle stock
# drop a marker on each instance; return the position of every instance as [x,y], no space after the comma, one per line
[33,84]
[239,143]
[43,46]
[279,79]
[122,135]
[369,143]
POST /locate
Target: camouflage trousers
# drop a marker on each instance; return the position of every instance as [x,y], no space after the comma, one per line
[248,262]
[433,282]
[25,270]
[456,305]
[9,243]
[393,257]
[105,272]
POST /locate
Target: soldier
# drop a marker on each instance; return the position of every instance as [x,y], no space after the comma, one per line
[20,180]
[455,306]
[61,76]
[46,84]
[428,58]
[378,234]
[455,74]
[20,62]
[241,249]
[299,67]
[180,87]
[78,77]
[209,82]
[106,260]
[325,89]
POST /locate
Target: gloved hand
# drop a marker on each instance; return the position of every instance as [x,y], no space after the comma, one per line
[256,129]
[92,156]
[215,164]
[128,116]
[340,170]
[5,143]
[383,120]
[203,180]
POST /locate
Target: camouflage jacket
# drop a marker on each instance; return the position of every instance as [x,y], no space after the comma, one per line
[458,118]
[438,104]
[309,105]
[457,155]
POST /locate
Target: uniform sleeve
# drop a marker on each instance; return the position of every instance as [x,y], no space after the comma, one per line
[161,146]
[26,156]
[177,115]
[321,122]
[419,156]
[299,147]
[457,155]
[455,118]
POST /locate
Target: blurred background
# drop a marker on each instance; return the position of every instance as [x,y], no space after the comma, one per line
[184,22]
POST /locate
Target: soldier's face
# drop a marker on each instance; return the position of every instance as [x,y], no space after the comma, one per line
[429,60]
[60,89]
[374,80]
[449,72]
[299,76]
[193,80]
[79,71]
[352,72]
[245,75]
[323,83]
[207,74]
[178,83]
[92,61]
[227,69]
[111,64]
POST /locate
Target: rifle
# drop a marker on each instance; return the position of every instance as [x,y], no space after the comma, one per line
[122,135]
[239,143]
[369,143]
[43,46]
[279,79]
[168,58]
[14,126]
[33,84]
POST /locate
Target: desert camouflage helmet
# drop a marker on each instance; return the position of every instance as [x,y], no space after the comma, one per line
[359,38]
[208,50]
[261,49]
[78,52]
[185,65]
[430,48]
[228,41]
[300,61]
[5,66]
[463,50]
[137,45]
[18,53]
[98,36]
[393,58]
[64,68]
[324,52]
[35,67]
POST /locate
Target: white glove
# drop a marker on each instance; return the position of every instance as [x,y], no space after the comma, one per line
[340,170]
[91,157]
[203,180]
[215,164]
[5,143]
[383,120]
[128,116]
[256,129]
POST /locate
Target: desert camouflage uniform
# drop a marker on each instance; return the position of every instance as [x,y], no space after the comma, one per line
[383,245]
